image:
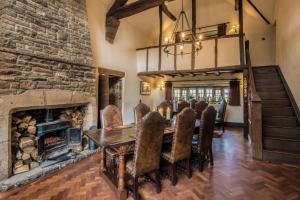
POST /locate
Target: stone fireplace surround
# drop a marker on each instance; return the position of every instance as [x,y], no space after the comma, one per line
[37,99]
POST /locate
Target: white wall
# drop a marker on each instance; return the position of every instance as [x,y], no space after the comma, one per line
[288,43]
[119,56]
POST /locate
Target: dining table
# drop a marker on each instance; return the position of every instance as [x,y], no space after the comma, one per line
[120,138]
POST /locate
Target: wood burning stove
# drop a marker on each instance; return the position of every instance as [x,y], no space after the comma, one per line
[52,138]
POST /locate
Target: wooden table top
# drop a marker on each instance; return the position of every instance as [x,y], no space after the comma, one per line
[117,137]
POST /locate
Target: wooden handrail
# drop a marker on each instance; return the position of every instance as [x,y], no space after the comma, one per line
[255,111]
[253,93]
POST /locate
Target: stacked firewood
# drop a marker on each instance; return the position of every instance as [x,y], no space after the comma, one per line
[25,153]
[75,116]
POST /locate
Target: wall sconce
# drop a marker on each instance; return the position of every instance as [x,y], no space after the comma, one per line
[161,86]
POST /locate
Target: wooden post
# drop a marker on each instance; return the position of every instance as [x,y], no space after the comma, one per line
[194,18]
[246,109]
[121,172]
[216,52]
[256,129]
[160,37]
[241,34]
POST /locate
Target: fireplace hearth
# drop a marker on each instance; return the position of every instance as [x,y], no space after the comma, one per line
[45,134]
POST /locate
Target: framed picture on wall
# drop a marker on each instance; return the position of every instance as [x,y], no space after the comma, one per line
[145,88]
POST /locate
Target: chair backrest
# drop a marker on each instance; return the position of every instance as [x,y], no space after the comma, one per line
[165,105]
[222,110]
[193,103]
[207,128]
[182,105]
[199,107]
[139,112]
[148,144]
[182,139]
[111,117]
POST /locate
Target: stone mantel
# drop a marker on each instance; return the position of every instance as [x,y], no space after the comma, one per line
[36,99]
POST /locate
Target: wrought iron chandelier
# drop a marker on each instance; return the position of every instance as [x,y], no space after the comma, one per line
[182,37]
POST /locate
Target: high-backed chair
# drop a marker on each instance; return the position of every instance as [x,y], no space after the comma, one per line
[139,112]
[193,103]
[182,105]
[220,120]
[164,107]
[199,107]
[111,117]
[182,142]
[203,149]
[147,152]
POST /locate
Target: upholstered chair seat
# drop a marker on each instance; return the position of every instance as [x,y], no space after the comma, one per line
[182,142]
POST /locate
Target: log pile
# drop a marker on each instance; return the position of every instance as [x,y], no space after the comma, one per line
[24,147]
[75,116]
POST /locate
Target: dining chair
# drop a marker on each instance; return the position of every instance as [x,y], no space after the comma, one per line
[139,112]
[193,103]
[164,108]
[182,104]
[111,117]
[220,120]
[203,148]
[182,142]
[148,145]
[199,107]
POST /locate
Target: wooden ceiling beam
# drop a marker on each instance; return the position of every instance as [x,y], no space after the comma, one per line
[258,11]
[168,12]
[135,8]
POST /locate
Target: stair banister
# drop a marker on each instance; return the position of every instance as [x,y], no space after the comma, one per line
[255,111]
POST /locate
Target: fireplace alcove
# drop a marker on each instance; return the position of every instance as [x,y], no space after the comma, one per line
[38,99]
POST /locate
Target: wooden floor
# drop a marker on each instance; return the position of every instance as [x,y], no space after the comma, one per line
[234,176]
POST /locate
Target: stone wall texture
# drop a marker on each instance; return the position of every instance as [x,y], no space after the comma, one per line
[45,44]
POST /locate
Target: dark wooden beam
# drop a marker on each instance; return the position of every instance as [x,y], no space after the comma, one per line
[136,7]
[258,11]
[194,22]
[241,33]
[168,12]
[160,37]
[121,10]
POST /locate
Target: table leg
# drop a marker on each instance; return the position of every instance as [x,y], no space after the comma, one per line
[102,160]
[121,172]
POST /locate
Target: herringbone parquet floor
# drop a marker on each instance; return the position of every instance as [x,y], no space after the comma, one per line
[235,176]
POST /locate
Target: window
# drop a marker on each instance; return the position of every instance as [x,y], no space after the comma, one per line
[177,94]
[209,94]
[193,92]
[184,94]
[200,94]
[226,94]
[218,95]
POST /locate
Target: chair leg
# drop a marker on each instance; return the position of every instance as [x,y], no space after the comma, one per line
[173,174]
[211,157]
[157,181]
[135,188]
[201,162]
[223,127]
[189,168]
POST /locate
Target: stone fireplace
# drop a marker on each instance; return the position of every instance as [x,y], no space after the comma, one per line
[45,63]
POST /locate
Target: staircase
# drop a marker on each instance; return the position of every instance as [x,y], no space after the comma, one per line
[280,125]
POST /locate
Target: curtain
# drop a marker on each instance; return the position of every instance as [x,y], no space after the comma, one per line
[168,91]
[234,93]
